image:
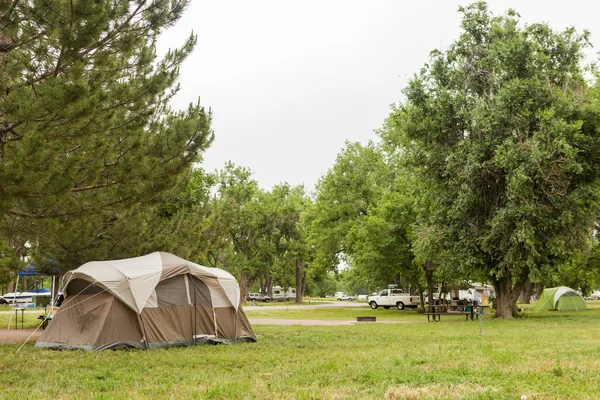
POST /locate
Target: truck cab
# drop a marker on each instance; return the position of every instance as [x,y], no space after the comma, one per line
[393,297]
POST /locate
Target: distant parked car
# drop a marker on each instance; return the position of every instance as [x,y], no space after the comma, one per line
[342,297]
[2,301]
[258,297]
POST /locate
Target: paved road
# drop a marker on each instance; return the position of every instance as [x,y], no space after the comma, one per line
[249,308]
[328,322]
[334,304]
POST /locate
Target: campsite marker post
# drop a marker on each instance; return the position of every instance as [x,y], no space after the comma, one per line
[480,315]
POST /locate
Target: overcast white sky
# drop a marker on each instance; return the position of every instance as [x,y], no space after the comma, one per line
[290,81]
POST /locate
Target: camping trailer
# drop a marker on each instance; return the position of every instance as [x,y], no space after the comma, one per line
[279,294]
[38,297]
[156,300]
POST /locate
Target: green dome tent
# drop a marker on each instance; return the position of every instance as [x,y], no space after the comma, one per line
[560,299]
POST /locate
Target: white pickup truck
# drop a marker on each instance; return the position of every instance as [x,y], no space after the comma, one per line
[393,298]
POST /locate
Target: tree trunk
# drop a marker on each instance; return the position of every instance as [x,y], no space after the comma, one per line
[299,280]
[246,283]
[507,295]
[428,268]
[269,285]
[421,297]
[303,282]
[527,292]
[260,283]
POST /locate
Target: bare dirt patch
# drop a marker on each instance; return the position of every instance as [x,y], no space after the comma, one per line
[18,336]
[435,391]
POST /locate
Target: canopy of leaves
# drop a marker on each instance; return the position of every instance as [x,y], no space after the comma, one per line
[504,130]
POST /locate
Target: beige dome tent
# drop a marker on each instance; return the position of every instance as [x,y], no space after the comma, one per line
[156,300]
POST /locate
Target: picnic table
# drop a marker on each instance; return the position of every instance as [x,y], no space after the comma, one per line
[17,309]
[470,311]
[46,319]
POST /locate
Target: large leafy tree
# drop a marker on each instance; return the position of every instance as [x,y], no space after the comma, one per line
[255,234]
[345,195]
[285,209]
[505,129]
[235,220]
[362,214]
[380,244]
[86,131]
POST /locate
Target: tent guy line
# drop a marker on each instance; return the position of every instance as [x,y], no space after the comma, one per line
[60,310]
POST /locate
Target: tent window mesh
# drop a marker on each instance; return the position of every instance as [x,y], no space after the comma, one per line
[172,292]
[202,293]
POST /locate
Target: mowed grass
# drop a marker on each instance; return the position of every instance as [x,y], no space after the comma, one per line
[543,356]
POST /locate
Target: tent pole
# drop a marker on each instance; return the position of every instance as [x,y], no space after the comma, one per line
[215,320]
[144,330]
[59,288]
[194,286]
[235,326]
[52,296]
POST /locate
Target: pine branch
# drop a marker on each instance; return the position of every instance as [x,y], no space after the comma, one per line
[115,31]
[8,127]
[93,187]
[37,216]
[6,17]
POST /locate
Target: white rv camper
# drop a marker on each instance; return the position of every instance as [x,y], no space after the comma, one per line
[280,294]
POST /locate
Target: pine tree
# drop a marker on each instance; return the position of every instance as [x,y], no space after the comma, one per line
[86,130]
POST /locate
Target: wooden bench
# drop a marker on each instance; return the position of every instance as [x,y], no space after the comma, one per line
[436,311]
[366,319]
[436,316]
[45,320]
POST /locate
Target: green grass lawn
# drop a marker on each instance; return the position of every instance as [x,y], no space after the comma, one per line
[29,317]
[546,355]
